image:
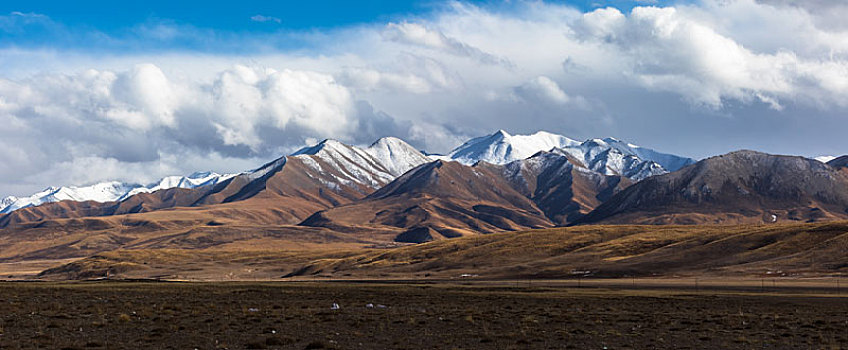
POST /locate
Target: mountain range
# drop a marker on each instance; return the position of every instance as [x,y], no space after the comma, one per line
[498,182]
[109,191]
[608,156]
[338,199]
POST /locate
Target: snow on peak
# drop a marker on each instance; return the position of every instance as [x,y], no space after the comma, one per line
[108,191]
[326,145]
[396,155]
[824,159]
[608,156]
[5,202]
[373,166]
[502,148]
[610,161]
[195,180]
[101,192]
[668,161]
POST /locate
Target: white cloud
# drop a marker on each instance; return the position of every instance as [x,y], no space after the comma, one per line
[409,72]
[116,123]
[262,19]
[543,88]
[246,99]
[666,50]
[770,75]
[372,79]
[418,34]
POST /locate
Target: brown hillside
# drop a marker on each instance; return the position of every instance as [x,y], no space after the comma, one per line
[739,187]
[294,187]
[782,250]
[562,187]
[448,198]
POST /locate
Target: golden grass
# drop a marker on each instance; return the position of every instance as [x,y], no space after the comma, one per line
[782,250]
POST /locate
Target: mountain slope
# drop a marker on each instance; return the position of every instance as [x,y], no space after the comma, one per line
[839,162]
[449,199]
[816,249]
[436,200]
[286,190]
[669,162]
[560,185]
[739,187]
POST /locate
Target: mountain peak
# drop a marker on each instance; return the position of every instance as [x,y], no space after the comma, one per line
[501,133]
[502,148]
[388,140]
[396,155]
[320,146]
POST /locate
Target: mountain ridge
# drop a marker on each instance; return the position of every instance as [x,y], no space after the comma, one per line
[739,187]
[393,155]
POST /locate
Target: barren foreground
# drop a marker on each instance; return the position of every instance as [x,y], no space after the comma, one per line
[131,315]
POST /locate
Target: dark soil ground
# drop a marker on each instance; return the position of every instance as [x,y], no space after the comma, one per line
[125,315]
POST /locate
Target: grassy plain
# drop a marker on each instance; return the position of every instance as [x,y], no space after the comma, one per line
[445,315]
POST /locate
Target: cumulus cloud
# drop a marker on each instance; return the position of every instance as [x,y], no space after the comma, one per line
[769,75]
[668,51]
[107,123]
[246,99]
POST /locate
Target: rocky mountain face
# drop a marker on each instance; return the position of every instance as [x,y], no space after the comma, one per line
[561,186]
[447,199]
[739,187]
[839,162]
[443,199]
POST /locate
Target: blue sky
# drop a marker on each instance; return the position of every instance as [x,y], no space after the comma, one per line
[106,90]
[119,26]
[113,16]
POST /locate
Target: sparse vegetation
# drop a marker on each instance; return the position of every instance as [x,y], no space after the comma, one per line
[752,251]
[298,316]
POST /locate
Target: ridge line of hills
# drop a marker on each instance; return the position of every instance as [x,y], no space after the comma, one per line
[333,197]
[498,148]
[391,193]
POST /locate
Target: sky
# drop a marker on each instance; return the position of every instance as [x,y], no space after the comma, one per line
[93,91]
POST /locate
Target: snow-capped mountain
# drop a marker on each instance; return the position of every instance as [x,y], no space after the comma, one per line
[598,156]
[396,155]
[502,148]
[824,159]
[376,165]
[608,156]
[669,162]
[361,170]
[5,202]
[560,186]
[109,191]
[198,179]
